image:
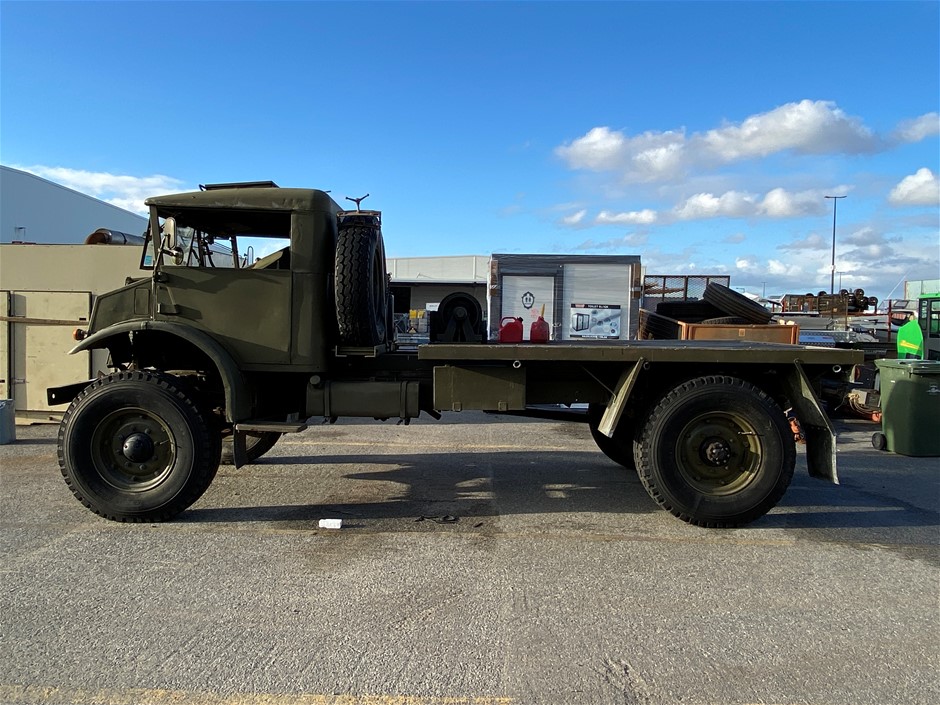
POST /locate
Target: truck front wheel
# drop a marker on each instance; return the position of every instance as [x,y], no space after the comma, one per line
[716,451]
[133,447]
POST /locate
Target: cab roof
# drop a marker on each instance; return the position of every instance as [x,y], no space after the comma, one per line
[263,198]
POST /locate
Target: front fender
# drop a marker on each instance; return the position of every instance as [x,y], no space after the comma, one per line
[237,396]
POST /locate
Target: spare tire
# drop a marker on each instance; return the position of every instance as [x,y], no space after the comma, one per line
[361,286]
[726,321]
[658,327]
[688,311]
[735,304]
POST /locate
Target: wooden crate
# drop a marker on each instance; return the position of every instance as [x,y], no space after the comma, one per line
[771,333]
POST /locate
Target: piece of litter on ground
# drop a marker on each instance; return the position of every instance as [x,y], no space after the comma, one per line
[446,519]
[331,523]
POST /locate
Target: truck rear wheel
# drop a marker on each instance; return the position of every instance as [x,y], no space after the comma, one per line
[133,447]
[361,286]
[620,447]
[716,451]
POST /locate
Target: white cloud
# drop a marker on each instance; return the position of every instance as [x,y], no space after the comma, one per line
[731,204]
[779,203]
[643,217]
[782,269]
[128,192]
[776,203]
[811,242]
[807,127]
[662,157]
[574,218]
[804,127]
[633,240]
[867,236]
[917,129]
[920,189]
[599,150]
[646,157]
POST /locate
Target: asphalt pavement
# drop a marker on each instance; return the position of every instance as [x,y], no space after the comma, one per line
[482,560]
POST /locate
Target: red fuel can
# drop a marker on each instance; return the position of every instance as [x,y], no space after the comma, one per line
[540,332]
[510,330]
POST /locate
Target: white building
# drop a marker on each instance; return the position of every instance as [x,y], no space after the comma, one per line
[35,210]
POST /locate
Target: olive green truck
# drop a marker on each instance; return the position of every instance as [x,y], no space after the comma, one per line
[209,352]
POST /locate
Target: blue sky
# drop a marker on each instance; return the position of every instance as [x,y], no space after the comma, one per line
[701,136]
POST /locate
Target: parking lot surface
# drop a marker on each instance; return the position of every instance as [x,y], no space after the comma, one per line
[482,559]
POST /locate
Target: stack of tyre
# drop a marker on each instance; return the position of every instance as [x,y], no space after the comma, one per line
[719,305]
[847,301]
[857,302]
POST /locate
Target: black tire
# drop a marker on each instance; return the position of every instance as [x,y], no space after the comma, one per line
[879,441]
[133,447]
[620,447]
[727,321]
[361,286]
[257,443]
[716,451]
[735,304]
[657,327]
[688,311]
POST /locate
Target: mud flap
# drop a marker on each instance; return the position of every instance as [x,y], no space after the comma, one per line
[239,449]
[819,433]
[618,403]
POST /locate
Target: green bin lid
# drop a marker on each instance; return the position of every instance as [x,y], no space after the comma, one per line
[914,367]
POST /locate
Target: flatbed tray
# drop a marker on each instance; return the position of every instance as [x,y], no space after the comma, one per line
[704,351]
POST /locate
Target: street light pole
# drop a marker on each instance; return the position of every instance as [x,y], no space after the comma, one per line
[832,270]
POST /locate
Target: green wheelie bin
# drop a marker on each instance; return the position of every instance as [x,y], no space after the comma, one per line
[910,407]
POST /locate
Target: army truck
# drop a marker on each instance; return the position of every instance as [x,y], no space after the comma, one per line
[211,350]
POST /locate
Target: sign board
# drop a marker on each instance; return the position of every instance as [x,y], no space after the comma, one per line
[598,321]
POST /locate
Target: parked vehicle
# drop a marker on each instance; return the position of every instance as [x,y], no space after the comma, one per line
[202,354]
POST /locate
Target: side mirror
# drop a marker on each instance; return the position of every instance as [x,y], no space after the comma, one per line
[170,245]
[169,233]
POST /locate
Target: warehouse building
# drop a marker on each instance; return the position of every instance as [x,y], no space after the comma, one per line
[35,210]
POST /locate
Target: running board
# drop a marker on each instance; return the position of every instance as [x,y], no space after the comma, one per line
[272,426]
[239,445]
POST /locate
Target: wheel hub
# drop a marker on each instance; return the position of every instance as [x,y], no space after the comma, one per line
[133,449]
[716,451]
[138,448]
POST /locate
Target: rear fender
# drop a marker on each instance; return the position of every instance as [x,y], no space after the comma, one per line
[818,431]
[237,396]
